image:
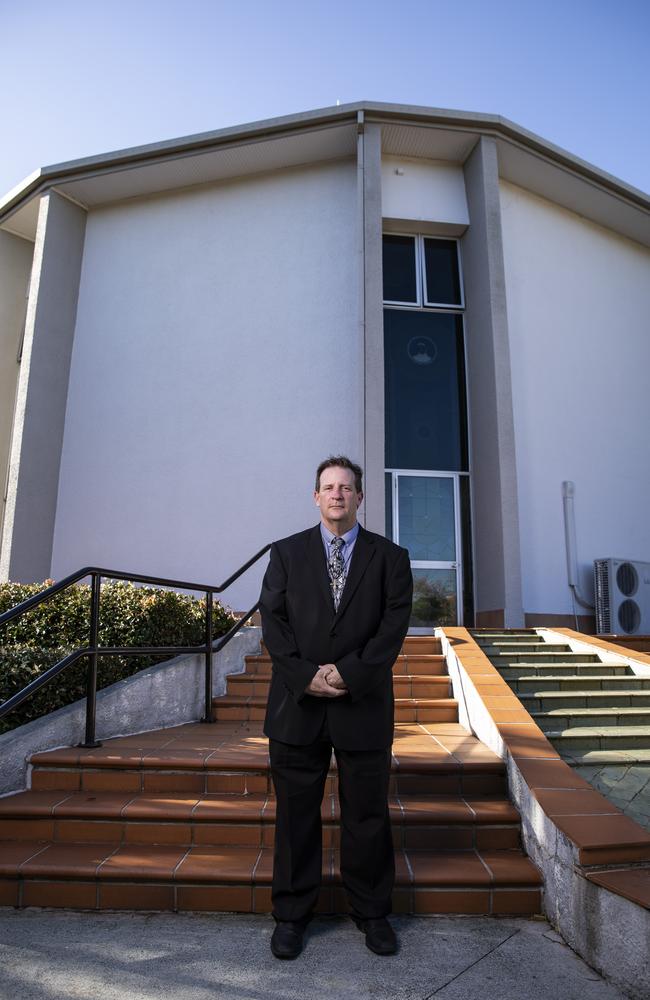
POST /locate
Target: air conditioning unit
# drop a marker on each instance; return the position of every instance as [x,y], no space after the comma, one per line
[622,596]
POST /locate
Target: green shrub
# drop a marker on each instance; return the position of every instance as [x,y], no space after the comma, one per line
[129,616]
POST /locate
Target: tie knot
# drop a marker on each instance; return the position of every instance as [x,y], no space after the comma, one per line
[337,543]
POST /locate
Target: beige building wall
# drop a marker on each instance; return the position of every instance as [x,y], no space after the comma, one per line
[578,298]
[216,361]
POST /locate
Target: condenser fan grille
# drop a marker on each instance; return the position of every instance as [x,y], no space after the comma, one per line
[627,579]
[629,616]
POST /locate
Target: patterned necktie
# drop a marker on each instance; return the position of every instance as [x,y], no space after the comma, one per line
[336,570]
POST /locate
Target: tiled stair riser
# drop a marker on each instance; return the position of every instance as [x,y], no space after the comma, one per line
[426,781]
[458,834]
[456,852]
[421,687]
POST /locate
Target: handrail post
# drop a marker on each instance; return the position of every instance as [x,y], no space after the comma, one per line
[91,683]
[208,656]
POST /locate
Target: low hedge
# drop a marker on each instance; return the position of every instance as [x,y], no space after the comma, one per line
[129,616]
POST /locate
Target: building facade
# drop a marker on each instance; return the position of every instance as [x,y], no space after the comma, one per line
[187,328]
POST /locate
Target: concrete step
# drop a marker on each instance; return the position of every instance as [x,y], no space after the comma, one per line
[578,669]
[600,738]
[538,683]
[627,757]
[562,659]
[544,701]
[563,718]
[498,648]
[495,633]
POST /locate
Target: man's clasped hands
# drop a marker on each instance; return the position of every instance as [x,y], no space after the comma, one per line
[327,682]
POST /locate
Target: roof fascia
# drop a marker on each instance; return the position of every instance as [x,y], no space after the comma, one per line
[486,124]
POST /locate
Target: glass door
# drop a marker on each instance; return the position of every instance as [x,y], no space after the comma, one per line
[425,520]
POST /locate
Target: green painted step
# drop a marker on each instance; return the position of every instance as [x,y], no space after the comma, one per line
[563,718]
[544,701]
[499,659]
[607,758]
[525,647]
[515,671]
[536,684]
[600,737]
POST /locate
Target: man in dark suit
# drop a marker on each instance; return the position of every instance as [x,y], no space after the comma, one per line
[335,607]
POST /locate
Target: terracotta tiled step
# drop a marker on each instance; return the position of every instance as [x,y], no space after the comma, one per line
[409,685]
[413,663]
[408,709]
[423,822]
[412,644]
[541,701]
[147,840]
[426,710]
[421,644]
[428,758]
[106,876]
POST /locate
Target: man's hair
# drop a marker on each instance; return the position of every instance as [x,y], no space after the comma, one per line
[343,462]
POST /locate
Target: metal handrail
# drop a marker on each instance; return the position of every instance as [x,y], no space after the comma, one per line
[93,650]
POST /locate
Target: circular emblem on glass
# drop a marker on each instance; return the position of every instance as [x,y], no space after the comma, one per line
[422,350]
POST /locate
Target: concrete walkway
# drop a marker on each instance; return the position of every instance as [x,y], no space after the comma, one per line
[56,955]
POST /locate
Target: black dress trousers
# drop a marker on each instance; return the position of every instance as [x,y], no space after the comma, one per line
[367,857]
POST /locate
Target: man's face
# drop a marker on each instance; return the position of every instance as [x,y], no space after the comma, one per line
[337,499]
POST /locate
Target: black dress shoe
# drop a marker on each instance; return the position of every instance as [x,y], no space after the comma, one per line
[380,936]
[286,941]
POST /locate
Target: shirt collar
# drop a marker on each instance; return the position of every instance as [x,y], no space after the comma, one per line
[349,537]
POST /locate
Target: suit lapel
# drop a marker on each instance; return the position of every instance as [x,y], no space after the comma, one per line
[364,550]
[316,559]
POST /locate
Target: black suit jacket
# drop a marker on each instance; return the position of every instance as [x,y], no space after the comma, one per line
[363,638]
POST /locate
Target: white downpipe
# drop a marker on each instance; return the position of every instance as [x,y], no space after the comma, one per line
[568,491]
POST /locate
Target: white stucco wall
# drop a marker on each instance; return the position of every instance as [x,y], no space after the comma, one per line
[216,361]
[579,325]
[15,266]
[423,190]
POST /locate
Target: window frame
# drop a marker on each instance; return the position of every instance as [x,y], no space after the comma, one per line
[441,305]
[418,276]
[421,275]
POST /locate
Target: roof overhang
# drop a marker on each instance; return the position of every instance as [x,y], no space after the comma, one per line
[329,134]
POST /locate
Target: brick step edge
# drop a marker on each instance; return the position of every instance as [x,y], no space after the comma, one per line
[136,834]
[521,901]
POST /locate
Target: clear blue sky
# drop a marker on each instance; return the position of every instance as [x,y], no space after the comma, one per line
[78,78]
